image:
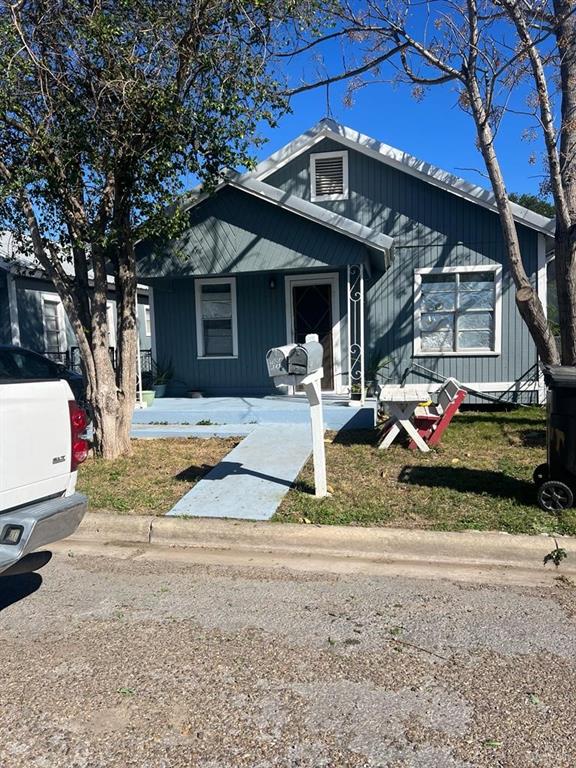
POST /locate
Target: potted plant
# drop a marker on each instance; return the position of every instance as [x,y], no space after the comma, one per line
[375,365]
[355,392]
[161,375]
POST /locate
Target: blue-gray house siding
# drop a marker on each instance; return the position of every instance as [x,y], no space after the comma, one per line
[431,228]
[29,292]
[235,233]
[5,327]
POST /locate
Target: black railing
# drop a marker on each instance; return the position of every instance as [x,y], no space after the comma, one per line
[72,360]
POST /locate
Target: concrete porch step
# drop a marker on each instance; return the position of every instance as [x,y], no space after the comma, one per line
[154,431]
[249,411]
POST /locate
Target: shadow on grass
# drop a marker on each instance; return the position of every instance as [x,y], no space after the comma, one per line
[533,438]
[484,482]
[513,417]
[357,437]
[193,473]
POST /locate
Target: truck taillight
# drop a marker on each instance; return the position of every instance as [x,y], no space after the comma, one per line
[78,424]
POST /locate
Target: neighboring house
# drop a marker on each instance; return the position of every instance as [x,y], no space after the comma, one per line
[32,314]
[381,254]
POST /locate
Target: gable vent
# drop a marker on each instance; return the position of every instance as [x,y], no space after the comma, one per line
[329,173]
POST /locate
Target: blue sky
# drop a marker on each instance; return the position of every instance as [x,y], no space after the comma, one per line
[435,130]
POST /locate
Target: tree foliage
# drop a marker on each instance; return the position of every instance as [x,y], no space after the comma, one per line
[533,203]
[108,108]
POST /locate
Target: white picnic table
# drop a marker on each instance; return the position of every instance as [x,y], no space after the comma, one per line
[401,403]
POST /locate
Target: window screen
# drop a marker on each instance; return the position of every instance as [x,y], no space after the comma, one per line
[52,326]
[216,317]
[458,312]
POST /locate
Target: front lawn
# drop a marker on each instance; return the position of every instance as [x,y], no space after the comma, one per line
[479,477]
[151,481]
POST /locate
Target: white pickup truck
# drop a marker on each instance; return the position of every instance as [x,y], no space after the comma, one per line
[41,445]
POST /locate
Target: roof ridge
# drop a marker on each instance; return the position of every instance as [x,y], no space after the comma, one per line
[328,127]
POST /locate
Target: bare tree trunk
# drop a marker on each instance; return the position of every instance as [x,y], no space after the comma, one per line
[565,248]
[527,300]
[104,398]
[127,335]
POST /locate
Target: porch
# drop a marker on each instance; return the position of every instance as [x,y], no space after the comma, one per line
[223,416]
[257,269]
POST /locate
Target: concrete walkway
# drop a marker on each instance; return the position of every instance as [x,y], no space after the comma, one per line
[251,481]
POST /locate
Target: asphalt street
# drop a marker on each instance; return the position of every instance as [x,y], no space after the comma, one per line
[118,661]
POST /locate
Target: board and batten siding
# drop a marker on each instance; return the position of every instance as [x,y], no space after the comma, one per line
[29,293]
[5,325]
[261,325]
[431,228]
[235,232]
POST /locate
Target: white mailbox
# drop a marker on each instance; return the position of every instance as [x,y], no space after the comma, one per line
[277,360]
[301,365]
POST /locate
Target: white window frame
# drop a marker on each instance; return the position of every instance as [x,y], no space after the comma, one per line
[54,298]
[111,320]
[147,320]
[326,156]
[198,283]
[497,270]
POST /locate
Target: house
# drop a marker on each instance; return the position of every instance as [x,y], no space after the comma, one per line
[381,254]
[32,314]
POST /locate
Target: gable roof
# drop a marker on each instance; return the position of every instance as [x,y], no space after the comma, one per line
[369,237]
[399,160]
[375,241]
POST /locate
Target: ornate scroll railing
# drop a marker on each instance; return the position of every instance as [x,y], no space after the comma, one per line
[355,285]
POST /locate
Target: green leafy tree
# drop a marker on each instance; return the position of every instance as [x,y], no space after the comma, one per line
[107,107]
[533,203]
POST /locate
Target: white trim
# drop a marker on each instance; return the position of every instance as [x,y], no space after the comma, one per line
[495,386]
[13,309]
[327,156]
[301,207]
[152,323]
[111,321]
[320,278]
[198,283]
[147,320]
[54,298]
[542,291]
[497,270]
[312,212]
[400,160]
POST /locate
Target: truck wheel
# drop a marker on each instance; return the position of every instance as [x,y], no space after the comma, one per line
[541,474]
[553,496]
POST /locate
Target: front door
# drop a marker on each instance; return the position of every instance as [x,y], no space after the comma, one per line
[312,313]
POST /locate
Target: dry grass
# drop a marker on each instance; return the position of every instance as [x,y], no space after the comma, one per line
[479,478]
[151,481]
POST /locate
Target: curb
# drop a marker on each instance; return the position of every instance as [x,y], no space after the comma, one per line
[469,548]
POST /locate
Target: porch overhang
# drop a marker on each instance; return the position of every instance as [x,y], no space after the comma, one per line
[250,226]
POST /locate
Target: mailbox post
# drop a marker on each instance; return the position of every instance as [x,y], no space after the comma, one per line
[301,365]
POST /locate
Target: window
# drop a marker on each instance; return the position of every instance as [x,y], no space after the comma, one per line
[216,322]
[54,332]
[329,176]
[457,311]
[147,321]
